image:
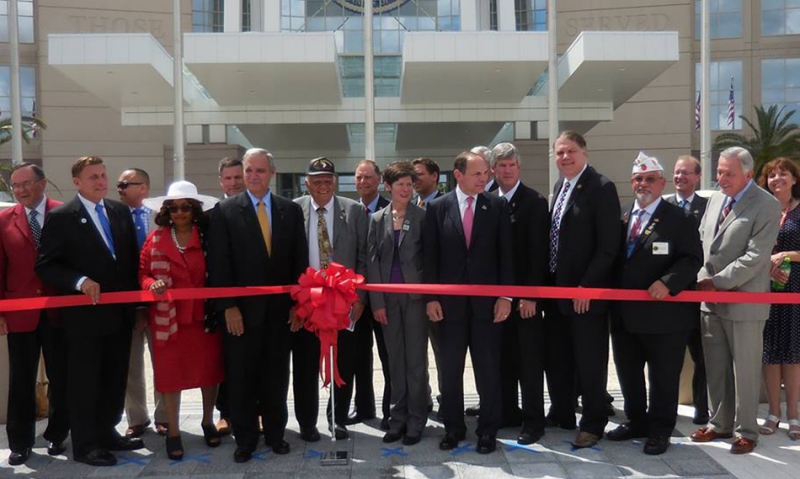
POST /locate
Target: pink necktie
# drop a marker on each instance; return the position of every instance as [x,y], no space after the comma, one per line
[468,217]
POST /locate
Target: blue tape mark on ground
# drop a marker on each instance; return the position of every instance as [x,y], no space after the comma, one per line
[573,448]
[398,451]
[511,447]
[135,460]
[461,449]
[313,454]
[260,455]
[197,458]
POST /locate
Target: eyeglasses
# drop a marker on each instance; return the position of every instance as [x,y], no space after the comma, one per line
[176,208]
[124,184]
[24,185]
[645,179]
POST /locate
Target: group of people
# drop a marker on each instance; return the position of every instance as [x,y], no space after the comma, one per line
[493,233]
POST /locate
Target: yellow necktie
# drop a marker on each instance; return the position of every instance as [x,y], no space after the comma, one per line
[421,203]
[263,221]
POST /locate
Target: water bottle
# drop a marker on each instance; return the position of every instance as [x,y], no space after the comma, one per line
[786,268]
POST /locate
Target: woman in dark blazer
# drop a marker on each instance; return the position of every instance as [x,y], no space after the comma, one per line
[394,255]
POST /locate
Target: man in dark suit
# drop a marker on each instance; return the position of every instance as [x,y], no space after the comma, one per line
[583,246]
[686,178]
[524,330]
[30,333]
[89,245]
[467,240]
[337,231]
[256,239]
[661,253]
[368,177]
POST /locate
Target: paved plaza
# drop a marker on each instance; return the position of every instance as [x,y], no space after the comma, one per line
[775,457]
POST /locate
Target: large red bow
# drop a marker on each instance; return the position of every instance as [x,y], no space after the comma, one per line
[324,299]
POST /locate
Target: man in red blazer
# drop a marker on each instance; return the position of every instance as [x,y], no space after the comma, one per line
[30,332]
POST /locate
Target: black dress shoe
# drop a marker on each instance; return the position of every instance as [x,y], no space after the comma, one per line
[309,434]
[701,418]
[122,443]
[391,437]
[385,424]
[487,444]
[473,410]
[623,432]
[409,440]
[356,418]
[97,457]
[656,445]
[525,438]
[55,448]
[242,454]
[19,457]
[340,432]
[450,440]
[279,447]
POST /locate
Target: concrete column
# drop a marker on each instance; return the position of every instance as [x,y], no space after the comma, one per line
[271,15]
[469,15]
[233,16]
[506,21]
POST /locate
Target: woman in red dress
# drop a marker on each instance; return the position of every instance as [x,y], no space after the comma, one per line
[184,356]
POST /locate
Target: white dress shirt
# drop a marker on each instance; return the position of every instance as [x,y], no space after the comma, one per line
[572,182]
[510,193]
[645,219]
[313,239]
[462,202]
[39,210]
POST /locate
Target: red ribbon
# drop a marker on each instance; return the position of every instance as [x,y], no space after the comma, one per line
[324,299]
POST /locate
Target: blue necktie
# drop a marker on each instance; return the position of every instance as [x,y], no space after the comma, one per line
[141,230]
[36,230]
[106,227]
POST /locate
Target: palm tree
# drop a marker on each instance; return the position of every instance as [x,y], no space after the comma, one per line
[773,136]
[30,125]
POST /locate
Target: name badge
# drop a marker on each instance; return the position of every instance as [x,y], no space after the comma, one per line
[660,247]
[406,226]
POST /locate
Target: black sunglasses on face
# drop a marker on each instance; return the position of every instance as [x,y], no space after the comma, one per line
[176,208]
[124,184]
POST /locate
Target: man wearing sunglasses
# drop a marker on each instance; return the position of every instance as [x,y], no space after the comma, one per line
[661,253]
[133,187]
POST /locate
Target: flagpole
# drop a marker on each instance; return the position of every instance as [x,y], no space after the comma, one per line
[369,84]
[16,104]
[705,123]
[552,83]
[178,158]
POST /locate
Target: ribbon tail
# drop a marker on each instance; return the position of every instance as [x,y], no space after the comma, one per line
[336,377]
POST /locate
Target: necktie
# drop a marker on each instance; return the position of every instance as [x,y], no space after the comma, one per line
[324,241]
[263,222]
[36,230]
[369,213]
[469,217]
[633,236]
[725,212]
[556,226]
[683,204]
[106,227]
[141,230]
[421,203]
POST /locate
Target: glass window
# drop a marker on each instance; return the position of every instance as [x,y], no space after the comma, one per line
[723,75]
[780,83]
[531,15]
[208,15]
[386,70]
[27,80]
[780,17]
[25,21]
[246,16]
[493,15]
[726,18]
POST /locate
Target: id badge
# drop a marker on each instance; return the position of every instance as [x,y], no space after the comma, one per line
[660,248]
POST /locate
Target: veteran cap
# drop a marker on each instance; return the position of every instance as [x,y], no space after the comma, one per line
[320,166]
[646,164]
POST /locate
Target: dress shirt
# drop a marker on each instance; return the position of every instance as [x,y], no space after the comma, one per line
[372,206]
[267,199]
[645,219]
[96,220]
[462,202]
[572,182]
[313,239]
[689,200]
[739,195]
[510,194]
[147,214]
[428,198]
[489,185]
[39,210]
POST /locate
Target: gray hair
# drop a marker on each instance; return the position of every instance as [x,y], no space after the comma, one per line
[485,152]
[504,151]
[259,151]
[741,154]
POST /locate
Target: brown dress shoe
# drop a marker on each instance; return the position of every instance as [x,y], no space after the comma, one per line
[706,434]
[585,439]
[223,426]
[137,430]
[742,445]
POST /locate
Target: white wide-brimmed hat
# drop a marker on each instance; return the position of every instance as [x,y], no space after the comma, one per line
[181,190]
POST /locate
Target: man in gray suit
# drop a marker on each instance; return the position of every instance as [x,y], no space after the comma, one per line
[337,231]
[738,231]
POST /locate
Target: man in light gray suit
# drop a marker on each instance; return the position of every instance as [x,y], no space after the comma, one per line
[337,231]
[738,231]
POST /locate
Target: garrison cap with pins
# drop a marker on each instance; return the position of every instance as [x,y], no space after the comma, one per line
[320,166]
[645,164]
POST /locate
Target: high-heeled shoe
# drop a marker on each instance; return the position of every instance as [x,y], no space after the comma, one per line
[174,448]
[211,435]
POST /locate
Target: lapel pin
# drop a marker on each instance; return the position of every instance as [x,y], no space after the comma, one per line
[579,187]
[483,207]
[697,212]
[406,226]
[83,221]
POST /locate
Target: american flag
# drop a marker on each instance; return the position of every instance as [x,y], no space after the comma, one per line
[697,113]
[731,106]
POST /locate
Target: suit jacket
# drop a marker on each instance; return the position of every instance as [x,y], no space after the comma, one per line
[697,206]
[448,261]
[737,257]
[415,199]
[17,260]
[382,203]
[530,226]
[72,247]
[350,227]
[669,250]
[588,241]
[237,255]
[381,247]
